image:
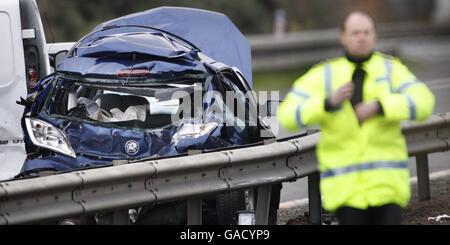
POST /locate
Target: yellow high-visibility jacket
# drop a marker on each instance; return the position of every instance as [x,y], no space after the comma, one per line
[360,165]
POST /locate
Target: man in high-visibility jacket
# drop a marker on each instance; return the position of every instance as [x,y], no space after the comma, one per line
[359,101]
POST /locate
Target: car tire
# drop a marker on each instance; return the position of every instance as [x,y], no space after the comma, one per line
[172,213]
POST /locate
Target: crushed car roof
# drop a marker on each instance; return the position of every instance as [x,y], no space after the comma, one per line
[108,48]
[213,33]
[108,53]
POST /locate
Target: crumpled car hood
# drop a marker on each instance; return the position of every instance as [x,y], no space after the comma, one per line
[97,145]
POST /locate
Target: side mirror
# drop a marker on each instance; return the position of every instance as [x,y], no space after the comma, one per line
[271,107]
[59,57]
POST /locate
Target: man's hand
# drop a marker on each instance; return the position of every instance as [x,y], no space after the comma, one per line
[343,93]
[365,111]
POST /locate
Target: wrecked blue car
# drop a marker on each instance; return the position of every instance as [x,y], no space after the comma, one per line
[147,85]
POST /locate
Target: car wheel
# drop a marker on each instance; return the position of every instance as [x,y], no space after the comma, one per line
[172,213]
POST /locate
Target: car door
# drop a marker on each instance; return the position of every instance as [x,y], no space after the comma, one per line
[12,87]
[23,62]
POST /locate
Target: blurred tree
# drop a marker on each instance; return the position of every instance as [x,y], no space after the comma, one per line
[70,20]
[67,20]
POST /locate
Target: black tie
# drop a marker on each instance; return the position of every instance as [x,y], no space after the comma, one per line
[358,76]
[358,80]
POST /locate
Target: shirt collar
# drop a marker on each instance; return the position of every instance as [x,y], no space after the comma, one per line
[358,60]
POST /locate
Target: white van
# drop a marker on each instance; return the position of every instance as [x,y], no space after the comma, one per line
[24,60]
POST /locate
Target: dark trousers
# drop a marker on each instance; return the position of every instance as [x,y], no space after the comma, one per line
[389,214]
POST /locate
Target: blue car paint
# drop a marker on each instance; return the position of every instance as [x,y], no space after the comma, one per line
[96,145]
[111,66]
[213,33]
[104,54]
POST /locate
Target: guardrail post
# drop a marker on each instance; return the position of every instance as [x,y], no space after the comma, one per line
[121,217]
[262,205]
[194,205]
[423,177]
[315,202]
[194,214]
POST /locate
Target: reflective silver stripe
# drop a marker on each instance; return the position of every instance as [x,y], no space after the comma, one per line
[388,77]
[388,64]
[298,115]
[327,77]
[300,93]
[412,108]
[407,85]
[363,167]
[298,110]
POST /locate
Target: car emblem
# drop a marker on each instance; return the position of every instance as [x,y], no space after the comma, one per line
[132,147]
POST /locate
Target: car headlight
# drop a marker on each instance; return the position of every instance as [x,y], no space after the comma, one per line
[47,136]
[191,131]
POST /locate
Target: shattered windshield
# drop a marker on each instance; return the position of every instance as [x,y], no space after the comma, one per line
[194,101]
[146,107]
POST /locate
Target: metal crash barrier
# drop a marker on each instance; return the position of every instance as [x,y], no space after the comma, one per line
[117,188]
